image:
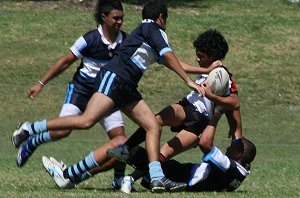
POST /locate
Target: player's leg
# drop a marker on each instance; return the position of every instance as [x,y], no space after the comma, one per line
[34,141]
[141,113]
[172,115]
[97,107]
[79,172]
[113,124]
[184,140]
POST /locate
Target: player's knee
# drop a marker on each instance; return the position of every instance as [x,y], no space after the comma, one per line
[86,123]
[121,139]
[159,120]
[157,127]
[116,141]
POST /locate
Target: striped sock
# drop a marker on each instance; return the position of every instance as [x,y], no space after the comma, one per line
[38,140]
[78,172]
[37,127]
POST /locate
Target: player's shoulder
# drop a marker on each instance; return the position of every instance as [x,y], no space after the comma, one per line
[92,35]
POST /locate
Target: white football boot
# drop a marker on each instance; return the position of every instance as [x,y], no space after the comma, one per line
[126,185]
[20,134]
[56,173]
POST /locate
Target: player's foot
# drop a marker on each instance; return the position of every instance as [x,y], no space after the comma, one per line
[20,134]
[24,153]
[121,152]
[165,184]
[126,185]
[61,164]
[55,171]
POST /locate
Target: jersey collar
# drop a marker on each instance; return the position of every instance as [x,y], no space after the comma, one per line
[147,21]
[118,40]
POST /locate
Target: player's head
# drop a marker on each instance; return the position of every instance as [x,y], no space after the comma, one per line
[210,46]
[242,151]
[249,152]
[109,10]
[154,10]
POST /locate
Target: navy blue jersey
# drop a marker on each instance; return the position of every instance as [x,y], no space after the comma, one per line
[95,52]
[145,45]
[216,173]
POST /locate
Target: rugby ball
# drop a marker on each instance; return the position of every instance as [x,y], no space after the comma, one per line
[218,80]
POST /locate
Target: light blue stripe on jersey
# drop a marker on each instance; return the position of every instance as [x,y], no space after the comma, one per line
[103,81]
[138,64]
[209,157]
[164,50]
[109,83]
[69,93]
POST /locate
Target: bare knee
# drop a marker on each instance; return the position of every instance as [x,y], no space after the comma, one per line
[116,141]
[159,120]
[85,123]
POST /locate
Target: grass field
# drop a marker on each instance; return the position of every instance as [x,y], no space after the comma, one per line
[264,56]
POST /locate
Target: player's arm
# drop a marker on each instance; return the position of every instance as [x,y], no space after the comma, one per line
[230,102]
[170,61]
[57,68]
[206,139]
[199,70]
[235,124]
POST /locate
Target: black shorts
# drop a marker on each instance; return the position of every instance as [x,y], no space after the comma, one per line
[78,95]
[111,85]
[195,122]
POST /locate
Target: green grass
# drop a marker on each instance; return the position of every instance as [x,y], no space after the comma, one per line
[264,57]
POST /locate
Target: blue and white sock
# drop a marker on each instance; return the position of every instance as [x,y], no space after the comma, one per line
[86,175]
[38,139]
[37,127]
[79,172]
[155,170]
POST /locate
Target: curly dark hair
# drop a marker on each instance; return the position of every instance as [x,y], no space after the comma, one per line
[211,43]
[153,8]
[105,7]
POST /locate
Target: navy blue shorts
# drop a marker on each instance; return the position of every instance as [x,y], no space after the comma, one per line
[111,85]
[78,95]
[195,122]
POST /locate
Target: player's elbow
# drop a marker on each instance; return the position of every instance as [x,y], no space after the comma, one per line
[235,102]
[237,105]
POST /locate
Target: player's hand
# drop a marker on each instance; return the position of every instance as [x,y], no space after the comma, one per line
[34,90]
[215,64]
[207,90]
[196,88]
